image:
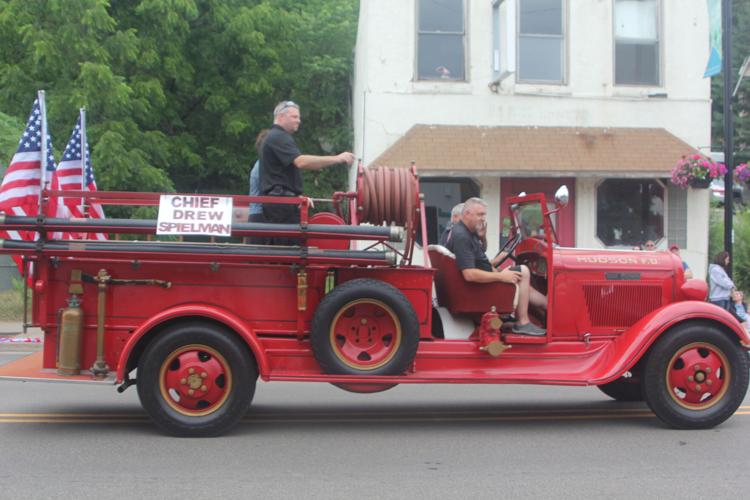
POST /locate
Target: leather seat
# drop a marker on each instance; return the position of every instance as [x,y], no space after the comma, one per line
[462,297]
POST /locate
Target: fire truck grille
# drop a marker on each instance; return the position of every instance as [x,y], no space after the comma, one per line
[620,304]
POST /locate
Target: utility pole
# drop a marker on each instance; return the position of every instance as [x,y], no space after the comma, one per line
[726,62]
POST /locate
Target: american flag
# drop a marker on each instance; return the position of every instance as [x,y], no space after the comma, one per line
[19,193]
[69,177]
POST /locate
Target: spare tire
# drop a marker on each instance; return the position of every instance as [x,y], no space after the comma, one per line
[365,327]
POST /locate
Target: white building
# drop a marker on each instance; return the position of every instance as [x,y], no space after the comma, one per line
[494,97]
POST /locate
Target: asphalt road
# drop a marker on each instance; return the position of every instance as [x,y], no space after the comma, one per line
[414,441]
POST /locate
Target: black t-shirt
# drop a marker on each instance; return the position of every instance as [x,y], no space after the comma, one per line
[277,157]
[467,249]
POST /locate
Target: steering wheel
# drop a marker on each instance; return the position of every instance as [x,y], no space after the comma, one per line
[509,248]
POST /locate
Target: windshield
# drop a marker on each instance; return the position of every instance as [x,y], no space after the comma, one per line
[529,219]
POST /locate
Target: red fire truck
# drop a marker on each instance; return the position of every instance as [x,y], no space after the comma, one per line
[193,324]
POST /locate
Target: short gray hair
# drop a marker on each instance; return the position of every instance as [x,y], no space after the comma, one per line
[471,202]
[283,106]
[456,211]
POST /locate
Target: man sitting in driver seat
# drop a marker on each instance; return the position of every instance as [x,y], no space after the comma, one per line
[475,267]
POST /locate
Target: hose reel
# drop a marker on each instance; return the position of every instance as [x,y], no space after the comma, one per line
[390,196]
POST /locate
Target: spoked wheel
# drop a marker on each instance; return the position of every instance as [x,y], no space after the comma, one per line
[365,327]
[196,379]
[696,377]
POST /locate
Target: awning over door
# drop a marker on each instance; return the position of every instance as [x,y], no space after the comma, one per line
[537,151]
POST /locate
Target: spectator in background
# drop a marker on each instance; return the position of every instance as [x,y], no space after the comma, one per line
[719,282]
[649,246]
[740,308]
[675,249]
[455,217]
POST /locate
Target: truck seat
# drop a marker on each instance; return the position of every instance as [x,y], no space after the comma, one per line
[462,297]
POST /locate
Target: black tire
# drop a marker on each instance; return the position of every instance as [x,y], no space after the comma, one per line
[364,388]
[623,389]
[696,376]
[185,355]
[389,324]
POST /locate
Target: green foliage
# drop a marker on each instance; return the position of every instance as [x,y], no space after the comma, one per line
[715,232]
[741,250]
[9,135]
[11,301]
[177,90]
[741,246]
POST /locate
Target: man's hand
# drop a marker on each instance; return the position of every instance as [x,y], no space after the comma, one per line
[346,157]
[508,276]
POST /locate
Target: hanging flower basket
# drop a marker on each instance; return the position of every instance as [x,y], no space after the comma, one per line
[696,171]
[742,173]
[696,183]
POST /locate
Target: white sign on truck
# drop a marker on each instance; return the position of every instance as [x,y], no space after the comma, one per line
[194,215]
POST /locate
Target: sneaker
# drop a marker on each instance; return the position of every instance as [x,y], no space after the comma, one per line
[529,329]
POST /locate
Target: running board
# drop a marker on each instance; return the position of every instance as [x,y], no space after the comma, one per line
[28,369]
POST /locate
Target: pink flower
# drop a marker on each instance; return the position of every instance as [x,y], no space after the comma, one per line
[696,167]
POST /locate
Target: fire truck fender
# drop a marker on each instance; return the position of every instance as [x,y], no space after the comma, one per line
[140,336]
[636,341]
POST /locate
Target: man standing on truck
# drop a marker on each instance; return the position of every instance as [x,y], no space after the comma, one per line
[281,162]
[475,267]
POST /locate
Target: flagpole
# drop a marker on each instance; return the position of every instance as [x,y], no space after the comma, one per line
[726,24]
[43,152]
[84,159]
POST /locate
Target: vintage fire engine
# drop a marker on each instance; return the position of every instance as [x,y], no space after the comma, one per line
[194,324]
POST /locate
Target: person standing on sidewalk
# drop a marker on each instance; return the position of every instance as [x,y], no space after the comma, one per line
[281,162]
[720,284]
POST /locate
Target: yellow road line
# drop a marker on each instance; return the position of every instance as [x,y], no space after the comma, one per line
[372,414]
[348,419]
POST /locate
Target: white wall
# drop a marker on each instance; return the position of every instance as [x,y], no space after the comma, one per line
[388,101]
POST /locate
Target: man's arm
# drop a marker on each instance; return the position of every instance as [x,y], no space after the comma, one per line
[475,275]
[313,162]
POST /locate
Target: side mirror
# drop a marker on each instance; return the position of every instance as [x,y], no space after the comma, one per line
[561,196]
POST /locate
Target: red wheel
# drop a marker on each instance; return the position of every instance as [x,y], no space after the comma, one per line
[698,376]
[695,376]
[365,334]
[195,380]
[365,327]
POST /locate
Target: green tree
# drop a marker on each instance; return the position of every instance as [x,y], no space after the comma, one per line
[10,132]
[177,90]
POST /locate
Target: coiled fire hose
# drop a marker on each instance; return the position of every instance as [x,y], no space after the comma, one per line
[389,196]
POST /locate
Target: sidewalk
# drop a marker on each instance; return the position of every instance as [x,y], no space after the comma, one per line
[12,337]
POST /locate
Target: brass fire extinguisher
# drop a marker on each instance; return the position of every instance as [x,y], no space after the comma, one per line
[70,339]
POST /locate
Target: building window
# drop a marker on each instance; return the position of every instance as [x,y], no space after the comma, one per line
[541,41]
[441,194]
[629,211]
[441,34]
[677,215]
[636,36]
[503,39]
